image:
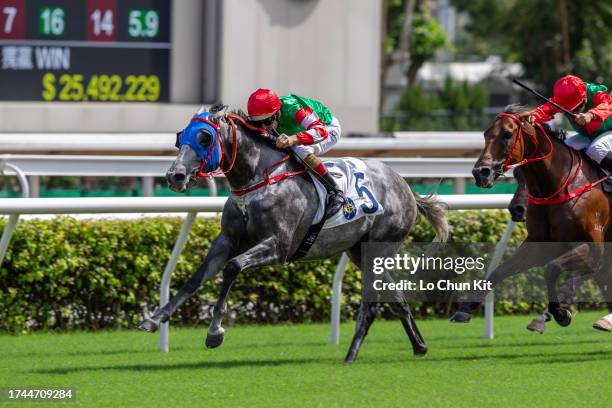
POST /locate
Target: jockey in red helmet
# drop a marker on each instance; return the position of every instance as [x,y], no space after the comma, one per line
[303,123]
[593,122]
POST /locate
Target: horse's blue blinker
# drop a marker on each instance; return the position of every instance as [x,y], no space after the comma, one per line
[211,154]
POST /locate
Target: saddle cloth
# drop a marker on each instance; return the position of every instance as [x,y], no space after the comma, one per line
[351,176]
[580,145]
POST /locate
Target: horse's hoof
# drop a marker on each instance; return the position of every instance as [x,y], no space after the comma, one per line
[563,317]
[214,340]
[461,317]
[603,325]
[149,325]
[350,359]
[537,326]
[420,351]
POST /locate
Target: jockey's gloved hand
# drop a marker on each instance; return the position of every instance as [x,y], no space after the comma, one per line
[583,118]
[527,116]
[284,141]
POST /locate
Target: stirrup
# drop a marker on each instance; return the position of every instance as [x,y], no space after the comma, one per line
[334,203]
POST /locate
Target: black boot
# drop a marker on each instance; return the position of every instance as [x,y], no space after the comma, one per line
[335,197]
[606,163]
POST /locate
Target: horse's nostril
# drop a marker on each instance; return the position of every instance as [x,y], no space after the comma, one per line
[519,209]
[179,177]
[485,171]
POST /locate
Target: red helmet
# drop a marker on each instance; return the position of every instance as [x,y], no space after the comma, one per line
[262,104]
[569,92]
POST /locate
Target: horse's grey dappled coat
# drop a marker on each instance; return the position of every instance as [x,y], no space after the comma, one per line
[268,228]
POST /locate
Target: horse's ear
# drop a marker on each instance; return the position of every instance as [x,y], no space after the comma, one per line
[217,107]
[217,110]
[201,110]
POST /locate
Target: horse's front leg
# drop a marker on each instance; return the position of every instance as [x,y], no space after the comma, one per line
[583,255]
[526,257]
[268,252]
[220,250]
[565,293]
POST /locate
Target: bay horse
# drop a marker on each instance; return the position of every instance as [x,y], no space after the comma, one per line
[270,210]
[566,205]
[518,209]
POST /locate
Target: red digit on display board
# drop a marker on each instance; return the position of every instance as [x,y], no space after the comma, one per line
[12,19]
[102,20]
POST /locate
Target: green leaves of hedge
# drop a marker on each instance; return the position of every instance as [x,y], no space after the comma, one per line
[68,274]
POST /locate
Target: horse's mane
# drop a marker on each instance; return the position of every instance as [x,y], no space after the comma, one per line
[253,134]
[219,106]
[243,115]
[516,108]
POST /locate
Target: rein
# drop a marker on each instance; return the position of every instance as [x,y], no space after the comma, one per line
[267,178]
[562,195]
[524,160]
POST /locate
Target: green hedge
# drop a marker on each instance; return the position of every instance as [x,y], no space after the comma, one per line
[68,274]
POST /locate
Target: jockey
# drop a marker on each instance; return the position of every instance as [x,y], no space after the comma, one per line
[304,125]
[593,122]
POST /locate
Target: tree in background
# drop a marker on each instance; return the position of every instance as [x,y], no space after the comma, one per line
[456,106]
[549,38]
[411,36]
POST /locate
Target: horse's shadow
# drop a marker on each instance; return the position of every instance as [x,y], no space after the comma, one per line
[179,366]
[519,345]
[531,359]
[552,358]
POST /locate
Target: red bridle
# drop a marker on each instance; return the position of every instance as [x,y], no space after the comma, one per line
[267,180]
[557,197]
[534,138]
[230,119]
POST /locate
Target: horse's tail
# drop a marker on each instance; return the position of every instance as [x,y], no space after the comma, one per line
[435,212]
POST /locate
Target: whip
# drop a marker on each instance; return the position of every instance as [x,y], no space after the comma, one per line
[539,95]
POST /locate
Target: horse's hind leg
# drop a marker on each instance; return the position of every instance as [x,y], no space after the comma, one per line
[367,314]
[402,308]
[604,282]
[365,317]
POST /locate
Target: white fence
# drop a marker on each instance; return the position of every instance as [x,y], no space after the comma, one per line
[156,166]
[14,207]
[147,167]
[164,142]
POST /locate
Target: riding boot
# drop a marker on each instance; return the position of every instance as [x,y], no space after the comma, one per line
[606,163]
[335,197]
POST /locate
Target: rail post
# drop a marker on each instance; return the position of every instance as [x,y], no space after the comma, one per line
[164,287]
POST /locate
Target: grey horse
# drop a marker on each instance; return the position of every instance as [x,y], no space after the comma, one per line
[266,227]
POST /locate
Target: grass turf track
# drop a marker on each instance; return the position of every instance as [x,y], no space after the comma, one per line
[292,366]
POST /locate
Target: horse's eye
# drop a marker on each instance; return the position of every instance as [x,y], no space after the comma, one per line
[205,138]
[178,139]
[508,135]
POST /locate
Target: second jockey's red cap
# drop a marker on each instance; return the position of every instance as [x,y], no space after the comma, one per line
[569,92]
[262,104]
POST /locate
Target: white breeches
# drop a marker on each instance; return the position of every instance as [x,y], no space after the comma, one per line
[597,150]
